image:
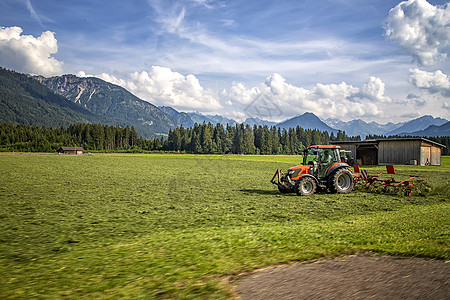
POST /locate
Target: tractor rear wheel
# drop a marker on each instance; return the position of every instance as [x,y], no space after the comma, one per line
[341,181]
[306,186]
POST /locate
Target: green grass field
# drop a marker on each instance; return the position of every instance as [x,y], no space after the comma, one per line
[112,226]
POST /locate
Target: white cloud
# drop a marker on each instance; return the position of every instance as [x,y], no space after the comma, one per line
[420,29]
[433,82]
[374,90]
[25,53]
[161,86]
[276,98]
[340,91]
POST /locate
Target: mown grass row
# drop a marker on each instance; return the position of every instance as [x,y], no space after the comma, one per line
[173,226]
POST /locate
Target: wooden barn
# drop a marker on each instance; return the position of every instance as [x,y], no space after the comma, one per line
[70,150]
[395,151]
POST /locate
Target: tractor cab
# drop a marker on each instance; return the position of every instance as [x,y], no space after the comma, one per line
[321,158]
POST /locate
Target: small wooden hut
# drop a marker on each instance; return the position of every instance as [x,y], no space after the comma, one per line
[70,150]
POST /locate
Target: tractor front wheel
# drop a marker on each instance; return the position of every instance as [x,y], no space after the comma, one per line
[284,189]
[306,186]
[341,181]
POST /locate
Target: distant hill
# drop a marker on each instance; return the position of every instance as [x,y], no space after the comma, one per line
[213,119]
[222,120]
[307,121]
[434,131]
[181,118]
[361,128]
[258,122]
[198,118]
[110,100]
[417,124]
[24,100]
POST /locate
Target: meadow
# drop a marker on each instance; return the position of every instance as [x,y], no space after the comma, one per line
[183,226]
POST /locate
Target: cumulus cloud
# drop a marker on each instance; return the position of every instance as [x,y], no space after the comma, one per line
[25,53]
[341,101]
[420,29]
[274,99]
[374,90]
[433,82]
[162,86]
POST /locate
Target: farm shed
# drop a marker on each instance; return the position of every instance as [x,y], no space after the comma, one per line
[70,150]
[400,151]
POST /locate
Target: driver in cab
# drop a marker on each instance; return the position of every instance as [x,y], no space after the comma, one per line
[326,157]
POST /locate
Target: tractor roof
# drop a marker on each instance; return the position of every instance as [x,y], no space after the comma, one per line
[325,147]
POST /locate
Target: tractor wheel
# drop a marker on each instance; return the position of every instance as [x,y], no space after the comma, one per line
[341,181]
[306,186]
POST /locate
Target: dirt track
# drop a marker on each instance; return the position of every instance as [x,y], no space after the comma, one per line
[351,277]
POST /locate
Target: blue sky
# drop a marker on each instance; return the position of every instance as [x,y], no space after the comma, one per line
[375,60]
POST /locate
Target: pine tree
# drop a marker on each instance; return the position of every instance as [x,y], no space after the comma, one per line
[266,143]
[206,138]
[248,143]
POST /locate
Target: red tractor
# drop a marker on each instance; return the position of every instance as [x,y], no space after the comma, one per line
[322,169]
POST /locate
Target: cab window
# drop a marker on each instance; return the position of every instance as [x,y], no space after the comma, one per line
[310,156]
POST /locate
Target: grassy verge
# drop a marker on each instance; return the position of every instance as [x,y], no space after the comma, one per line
[108,226]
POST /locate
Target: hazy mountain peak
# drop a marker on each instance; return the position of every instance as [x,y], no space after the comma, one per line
[307,120]
[418,124]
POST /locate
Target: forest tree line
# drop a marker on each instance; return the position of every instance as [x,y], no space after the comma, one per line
[245,139]
[200,139]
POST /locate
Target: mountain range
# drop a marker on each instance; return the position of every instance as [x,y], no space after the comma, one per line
[182,118]
[109,100]
[307,121]
[433,130]
[418,124]
[361,128]
[63,100]
[258,122]
[199,118]
[23,100]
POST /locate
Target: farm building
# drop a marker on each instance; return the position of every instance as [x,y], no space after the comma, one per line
[395,151]
[70,150]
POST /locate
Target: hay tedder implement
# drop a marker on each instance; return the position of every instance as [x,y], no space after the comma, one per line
[385,182]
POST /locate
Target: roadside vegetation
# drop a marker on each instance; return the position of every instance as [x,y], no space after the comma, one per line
[142,226]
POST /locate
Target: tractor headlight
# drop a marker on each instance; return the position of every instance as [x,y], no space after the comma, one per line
[290,172]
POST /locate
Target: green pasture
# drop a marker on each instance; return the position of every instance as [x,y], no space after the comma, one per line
[179,226]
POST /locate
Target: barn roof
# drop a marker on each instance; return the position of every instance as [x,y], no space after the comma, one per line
[63,148]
